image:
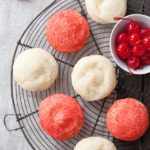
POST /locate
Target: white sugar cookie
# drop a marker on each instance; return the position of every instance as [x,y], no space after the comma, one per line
[93,77]
[103,11]
[95,143]
[35,69]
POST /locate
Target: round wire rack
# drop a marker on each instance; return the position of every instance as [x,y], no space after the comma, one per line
[26,103]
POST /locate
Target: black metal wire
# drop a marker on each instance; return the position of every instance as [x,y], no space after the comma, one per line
[26,103]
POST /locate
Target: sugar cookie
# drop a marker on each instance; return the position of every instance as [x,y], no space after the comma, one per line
[93,77]
[67,31]
[127,119]
[103,11]
[61,116]
[95,143]
[35,69]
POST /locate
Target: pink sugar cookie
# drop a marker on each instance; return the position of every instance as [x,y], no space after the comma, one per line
[61,116]
[67,31]
[127,119]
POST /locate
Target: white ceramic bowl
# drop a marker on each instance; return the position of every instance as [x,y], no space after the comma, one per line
[144,21]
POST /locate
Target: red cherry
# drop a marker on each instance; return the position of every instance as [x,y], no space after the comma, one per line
[145,59]
[134,39]
[138,50]
[133,62]
[144,32]
[133,27]
[123,51]
[146,43]
[122,37]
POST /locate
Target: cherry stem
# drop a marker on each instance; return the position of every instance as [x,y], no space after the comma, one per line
[129,70]
[119,18]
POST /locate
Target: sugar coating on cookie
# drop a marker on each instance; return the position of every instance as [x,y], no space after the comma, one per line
[67,31]
[61,116]
[93,77]
[35,69]
[95,143]
[103,11]
[127,119]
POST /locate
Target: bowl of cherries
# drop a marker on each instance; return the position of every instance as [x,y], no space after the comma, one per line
[130,43]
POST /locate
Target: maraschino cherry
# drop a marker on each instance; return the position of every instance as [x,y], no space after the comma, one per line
[122,37]
[134,39]
[146,43]
[133,62]
[138,50]
[144,32]
[145,59]
[123,51]
[134,46]
[132,27]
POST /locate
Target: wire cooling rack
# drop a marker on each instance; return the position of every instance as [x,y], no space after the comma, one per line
[26,103]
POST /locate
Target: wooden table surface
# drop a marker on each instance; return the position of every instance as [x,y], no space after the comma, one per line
[15,15]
